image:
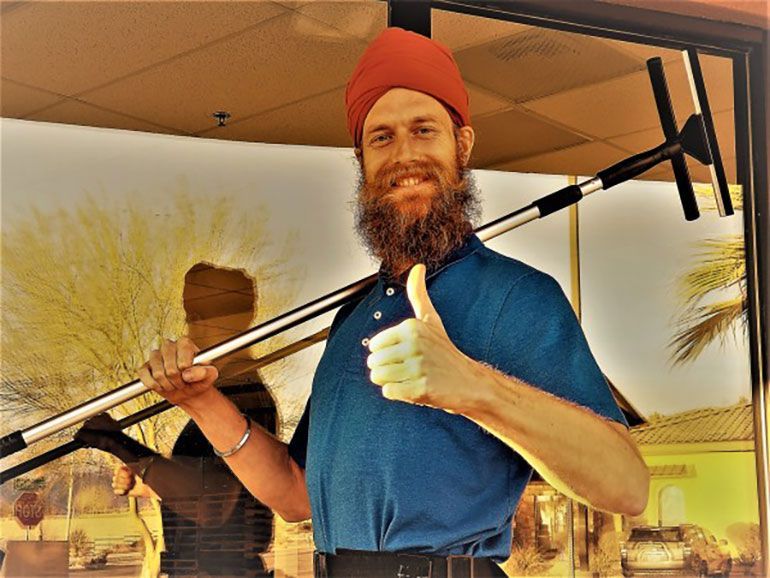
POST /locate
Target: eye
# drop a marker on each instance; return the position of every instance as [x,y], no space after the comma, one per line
[379,139]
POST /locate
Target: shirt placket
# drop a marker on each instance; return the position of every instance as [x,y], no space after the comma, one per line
[381,312]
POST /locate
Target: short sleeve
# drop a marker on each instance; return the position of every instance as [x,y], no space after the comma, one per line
[298,443]
[538,339]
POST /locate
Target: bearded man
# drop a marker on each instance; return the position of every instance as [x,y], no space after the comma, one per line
[441,390]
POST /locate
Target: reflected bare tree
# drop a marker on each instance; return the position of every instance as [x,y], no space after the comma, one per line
[89,290]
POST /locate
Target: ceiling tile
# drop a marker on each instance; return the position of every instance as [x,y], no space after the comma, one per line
[512,134]
[362,19]
[659,173]
[698,173]
[460,31]
[317,121]
[69,47]
[602,109]
[643,140]
[243,75]
[642,52]
[17,100]
[537,62]
[585,159]
[7,5]
[484,102]
[72,111]
[638,141]
[320,120]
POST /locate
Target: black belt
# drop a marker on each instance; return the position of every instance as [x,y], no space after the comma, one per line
[362,564]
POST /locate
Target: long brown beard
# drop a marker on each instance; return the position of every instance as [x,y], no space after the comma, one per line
[399,239]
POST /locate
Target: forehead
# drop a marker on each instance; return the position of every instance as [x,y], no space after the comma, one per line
[401,105]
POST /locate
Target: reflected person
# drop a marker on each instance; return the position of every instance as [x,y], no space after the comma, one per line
[212,526]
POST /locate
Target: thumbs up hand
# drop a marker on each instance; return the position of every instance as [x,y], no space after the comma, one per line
[416,362]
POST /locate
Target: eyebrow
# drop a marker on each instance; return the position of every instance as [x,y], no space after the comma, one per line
[415,120]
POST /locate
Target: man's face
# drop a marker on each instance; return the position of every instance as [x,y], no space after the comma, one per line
[406,134]
[416,197]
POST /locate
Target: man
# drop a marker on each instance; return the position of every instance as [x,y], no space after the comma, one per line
[211,525]
[439,391]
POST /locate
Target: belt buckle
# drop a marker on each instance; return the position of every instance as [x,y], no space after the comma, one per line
[450,566]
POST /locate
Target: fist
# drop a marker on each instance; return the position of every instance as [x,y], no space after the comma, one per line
[170,372]
[415,361]
[127,483]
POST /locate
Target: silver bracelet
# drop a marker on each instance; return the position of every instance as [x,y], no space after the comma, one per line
[241,442]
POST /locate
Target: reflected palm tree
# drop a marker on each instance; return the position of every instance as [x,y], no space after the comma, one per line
[713,291]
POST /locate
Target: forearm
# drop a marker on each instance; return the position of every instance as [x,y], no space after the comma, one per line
[263,465]
[581,454]
[185,477]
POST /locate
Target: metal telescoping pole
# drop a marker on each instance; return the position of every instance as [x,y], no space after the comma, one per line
[571,194]
[246,339]
[19,440]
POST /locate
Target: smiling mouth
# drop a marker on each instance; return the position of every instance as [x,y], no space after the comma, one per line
[406,182]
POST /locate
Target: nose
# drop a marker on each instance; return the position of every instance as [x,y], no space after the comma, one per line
[404,150]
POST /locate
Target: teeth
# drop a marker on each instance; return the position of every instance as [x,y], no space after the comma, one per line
[410,182]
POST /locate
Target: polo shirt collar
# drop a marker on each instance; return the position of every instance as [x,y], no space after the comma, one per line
[470,246]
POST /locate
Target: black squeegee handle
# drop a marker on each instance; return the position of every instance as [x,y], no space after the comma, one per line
[671,132]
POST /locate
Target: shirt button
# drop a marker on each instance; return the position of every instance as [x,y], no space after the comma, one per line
[377,314]
[389,291]
[365,341]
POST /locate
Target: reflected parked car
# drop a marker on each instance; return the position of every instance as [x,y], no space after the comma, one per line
[682,549]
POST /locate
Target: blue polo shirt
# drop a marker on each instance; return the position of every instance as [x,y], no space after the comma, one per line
[386,475]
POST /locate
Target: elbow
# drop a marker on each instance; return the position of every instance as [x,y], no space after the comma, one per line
[296,501]
[295,516]
[638,494]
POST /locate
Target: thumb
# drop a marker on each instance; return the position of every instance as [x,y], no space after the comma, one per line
[417,293]
[200,373]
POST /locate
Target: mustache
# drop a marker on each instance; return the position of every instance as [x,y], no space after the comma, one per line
[425,170]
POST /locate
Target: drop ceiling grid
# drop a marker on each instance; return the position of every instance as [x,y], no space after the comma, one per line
[550,61]
[587,109]
[316,121]
[17,99]
[357,20]
[240,75]
[283,120]
[461,31]
[74,111]
[70,48]
[631,62]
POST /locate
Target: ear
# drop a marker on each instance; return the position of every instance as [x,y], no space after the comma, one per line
[466,137]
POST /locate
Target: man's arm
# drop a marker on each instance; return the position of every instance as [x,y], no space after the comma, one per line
[580,453]
[263,464]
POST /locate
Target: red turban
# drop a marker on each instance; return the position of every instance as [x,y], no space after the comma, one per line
[398,58]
